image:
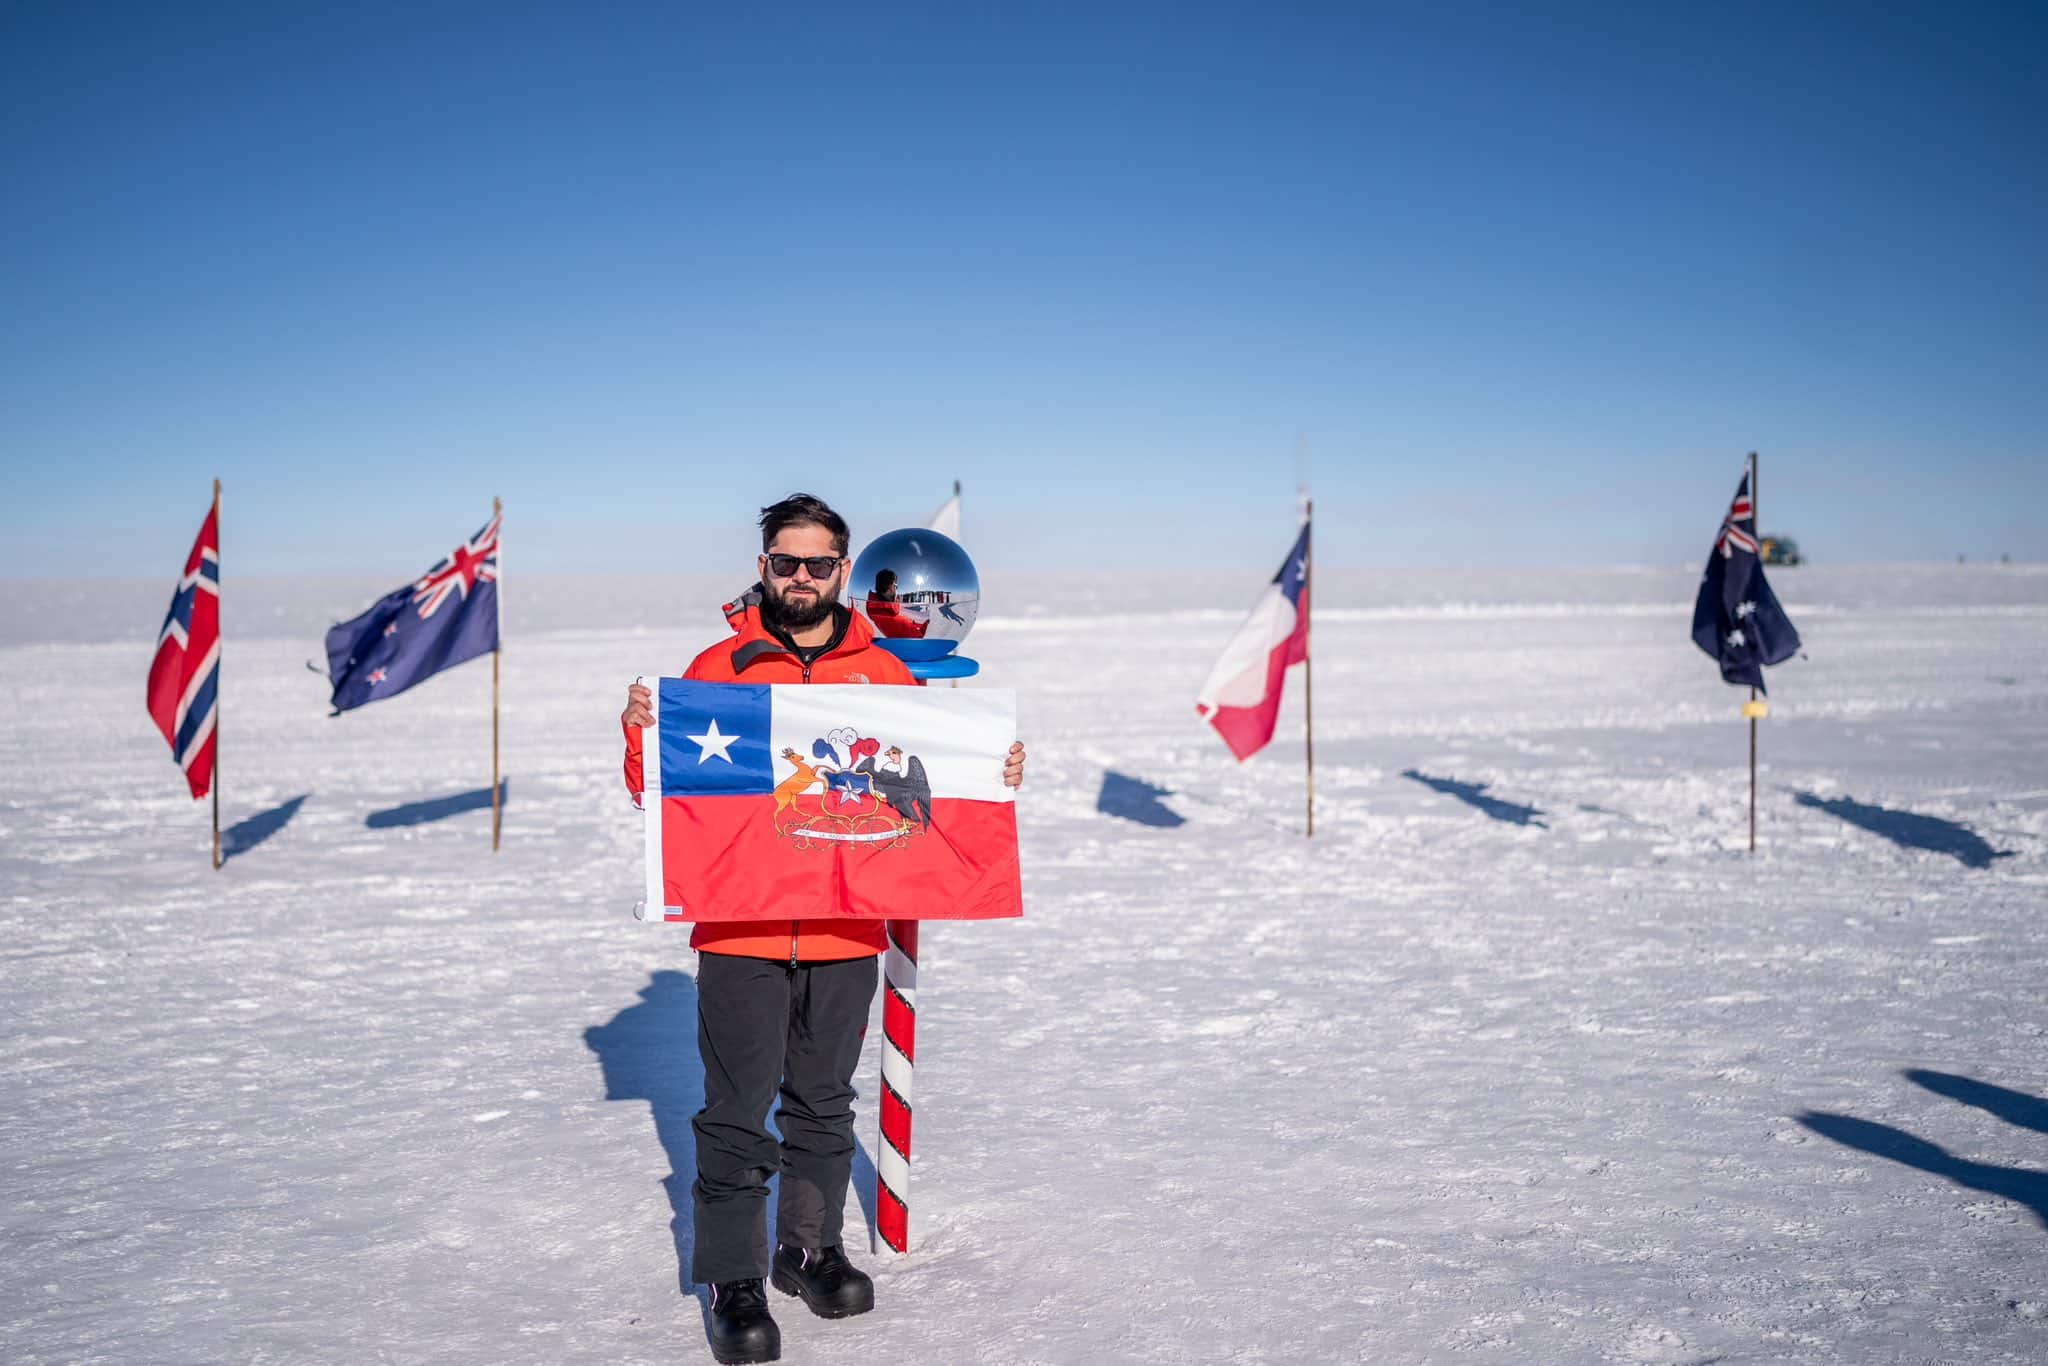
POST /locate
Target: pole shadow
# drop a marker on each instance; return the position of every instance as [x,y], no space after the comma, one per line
[649,1052]
[251,831]
[1474,795]
[438,808]
[1910,829]
[2014,1107]
[1134,799]
[2018,1184]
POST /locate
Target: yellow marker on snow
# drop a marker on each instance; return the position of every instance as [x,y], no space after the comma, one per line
[1756,710]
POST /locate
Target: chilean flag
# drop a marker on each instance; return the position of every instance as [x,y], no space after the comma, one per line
[1242,697]
[829,801]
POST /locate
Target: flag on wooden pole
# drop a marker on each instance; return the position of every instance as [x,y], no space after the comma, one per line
[446,616]
[184,677]
[1242,697]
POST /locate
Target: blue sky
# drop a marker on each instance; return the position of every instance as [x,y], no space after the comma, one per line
[1524,281]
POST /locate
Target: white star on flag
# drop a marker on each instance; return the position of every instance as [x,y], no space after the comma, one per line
[1734,638]
[1743,609]
[712,744]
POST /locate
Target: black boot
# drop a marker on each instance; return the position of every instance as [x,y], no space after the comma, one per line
[832,1286]
[741,1328]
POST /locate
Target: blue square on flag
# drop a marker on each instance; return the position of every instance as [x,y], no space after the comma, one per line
[714,739]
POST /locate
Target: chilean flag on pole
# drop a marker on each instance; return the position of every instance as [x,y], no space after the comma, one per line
[184,678]
[828,801]
[1242,697]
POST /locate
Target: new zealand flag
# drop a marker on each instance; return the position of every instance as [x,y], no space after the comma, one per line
[1737,619]
[450,614]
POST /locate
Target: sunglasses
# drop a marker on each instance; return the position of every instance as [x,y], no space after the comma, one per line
[820,566]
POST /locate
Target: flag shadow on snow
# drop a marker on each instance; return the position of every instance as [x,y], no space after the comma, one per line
[2014,1107]
[2018,1184]
[648,1052]
[251,831]
[1134,799]
[1910,829]
[439,808]
[1474,795]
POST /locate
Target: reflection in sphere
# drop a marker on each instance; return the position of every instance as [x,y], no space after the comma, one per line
[916,584]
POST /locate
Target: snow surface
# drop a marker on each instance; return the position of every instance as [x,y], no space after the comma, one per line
[1522,1058]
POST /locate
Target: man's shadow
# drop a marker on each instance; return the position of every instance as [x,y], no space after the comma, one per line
[2018,1184]
[649,1052]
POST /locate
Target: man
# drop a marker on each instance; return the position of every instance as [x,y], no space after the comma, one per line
[782,1005]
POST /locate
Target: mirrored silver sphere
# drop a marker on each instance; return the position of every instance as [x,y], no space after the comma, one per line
[916,584]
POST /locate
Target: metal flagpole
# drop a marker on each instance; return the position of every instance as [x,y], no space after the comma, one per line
[1308,687]
[1755,512]
[215,780]
[497,607]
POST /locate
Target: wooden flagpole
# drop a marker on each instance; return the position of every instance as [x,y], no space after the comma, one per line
[217,690]
[498,607]
[1755,512]
[1308,687]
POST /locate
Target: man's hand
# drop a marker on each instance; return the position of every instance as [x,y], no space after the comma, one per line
[1013,767]
[640,708]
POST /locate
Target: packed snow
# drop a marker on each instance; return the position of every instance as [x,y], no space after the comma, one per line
[1523,1057]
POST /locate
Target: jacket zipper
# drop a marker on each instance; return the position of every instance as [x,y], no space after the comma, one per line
[793,924]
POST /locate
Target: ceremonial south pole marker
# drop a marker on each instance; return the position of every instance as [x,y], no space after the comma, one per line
[899,1055]
[925,597]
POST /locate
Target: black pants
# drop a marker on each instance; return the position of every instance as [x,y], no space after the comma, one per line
[763,1028]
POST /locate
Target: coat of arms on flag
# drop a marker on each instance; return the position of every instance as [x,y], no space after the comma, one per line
[184,677]
[808,801]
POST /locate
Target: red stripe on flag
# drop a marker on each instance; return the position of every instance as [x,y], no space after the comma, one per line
[726,858]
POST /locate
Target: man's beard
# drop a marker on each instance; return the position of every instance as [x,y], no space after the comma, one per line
[779,612]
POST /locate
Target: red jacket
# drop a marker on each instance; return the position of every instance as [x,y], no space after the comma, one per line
[755,656]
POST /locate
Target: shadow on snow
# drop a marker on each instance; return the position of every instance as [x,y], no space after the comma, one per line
[437,808]
[648,1052]
[246,834]
[2018,1184]
[2014,1107]
[1474,795]
[1134,799]
[1909,829]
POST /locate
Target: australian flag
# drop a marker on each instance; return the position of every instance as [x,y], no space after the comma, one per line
[448,615]
[1737,619]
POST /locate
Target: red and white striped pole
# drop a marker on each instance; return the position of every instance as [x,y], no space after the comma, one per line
[899,1052]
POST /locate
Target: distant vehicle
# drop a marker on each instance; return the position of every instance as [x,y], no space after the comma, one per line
[1781,550]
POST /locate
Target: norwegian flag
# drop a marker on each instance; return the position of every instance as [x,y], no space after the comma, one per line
[184,678]
[1736,617]
[446,616]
